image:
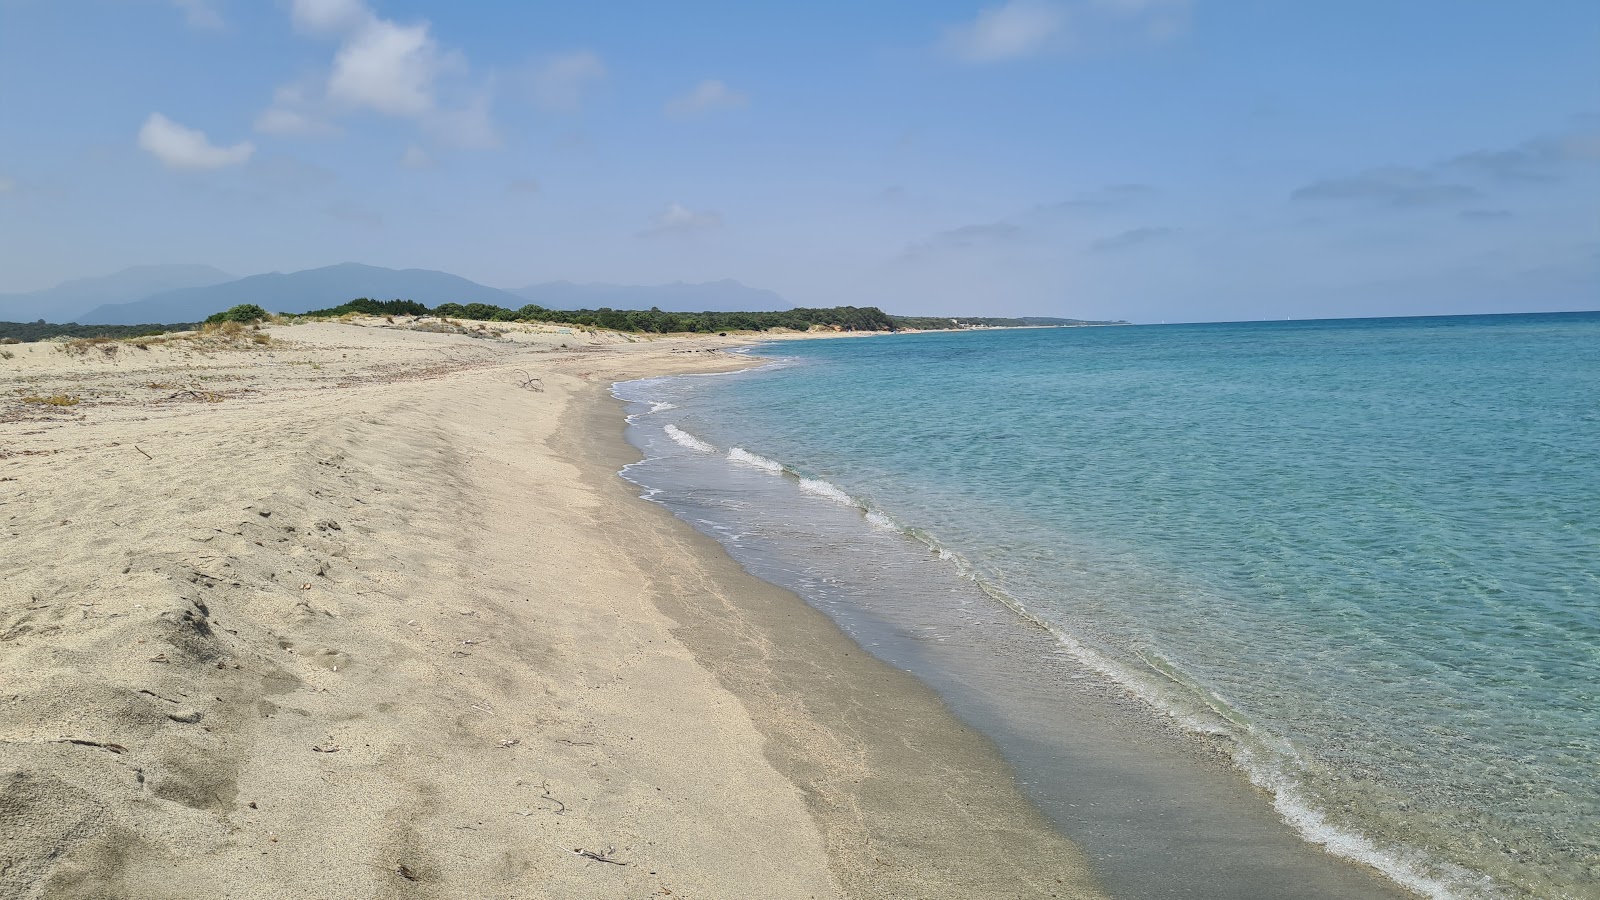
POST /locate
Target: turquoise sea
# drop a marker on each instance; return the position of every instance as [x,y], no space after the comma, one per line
[1362,554]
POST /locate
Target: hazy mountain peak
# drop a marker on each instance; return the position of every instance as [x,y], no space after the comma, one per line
[67,301]
[301,291]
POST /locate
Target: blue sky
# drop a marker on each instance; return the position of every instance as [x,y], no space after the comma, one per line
[1142,159]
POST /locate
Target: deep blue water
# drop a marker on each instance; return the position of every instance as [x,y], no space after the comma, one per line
[1365,551]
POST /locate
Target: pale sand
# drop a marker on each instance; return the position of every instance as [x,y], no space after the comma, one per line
[376,619]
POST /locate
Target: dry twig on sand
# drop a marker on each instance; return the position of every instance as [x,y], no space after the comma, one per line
[604,857]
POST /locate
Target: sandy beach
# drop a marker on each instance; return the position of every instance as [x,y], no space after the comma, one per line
[364,611]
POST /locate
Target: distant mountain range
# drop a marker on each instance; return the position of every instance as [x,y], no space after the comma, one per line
[69,301]
[166,294]
[146,295]
[301,291]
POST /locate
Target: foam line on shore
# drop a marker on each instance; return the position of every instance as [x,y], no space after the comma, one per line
[686,439]
[1265,760]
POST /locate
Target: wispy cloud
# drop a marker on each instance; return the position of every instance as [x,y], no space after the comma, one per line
[1542,159]
[1014,30]
[294,112]
[560,82]
[680,220]
[1463,178]
[708,96]
[1105,199]
[178,147]
[1021,29]
[200,14]
[1391,187]
[965,237]
[1158,20]
[416,158]
[329,17]
[467,125]
[1047,222]
[1132,238]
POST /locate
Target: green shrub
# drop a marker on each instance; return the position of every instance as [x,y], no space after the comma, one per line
[369,307]
[244,313]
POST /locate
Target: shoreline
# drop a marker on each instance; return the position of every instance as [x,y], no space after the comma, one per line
[881,761]
[396,572]
[1124,756]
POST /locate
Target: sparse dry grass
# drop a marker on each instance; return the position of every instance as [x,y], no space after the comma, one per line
[208,337]
[54,400]
[82,346]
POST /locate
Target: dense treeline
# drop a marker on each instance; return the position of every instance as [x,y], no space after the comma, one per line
[849,318]
[42,330]
[368,307]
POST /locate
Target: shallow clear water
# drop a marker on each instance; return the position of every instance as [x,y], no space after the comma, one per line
[1366,552]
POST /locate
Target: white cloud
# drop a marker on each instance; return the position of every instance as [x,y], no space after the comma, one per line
[329,17]
[678,219]
[186,148]
[559,83]
[292,113]
[707,96]
[199,14]
[387,67]
[416,158]
[1018,29]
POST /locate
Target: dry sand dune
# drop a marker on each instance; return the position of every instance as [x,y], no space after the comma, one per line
[365,612]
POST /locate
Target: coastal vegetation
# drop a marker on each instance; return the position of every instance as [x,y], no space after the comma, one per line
[244,314]
[656,321]
[27,332]
[650,321]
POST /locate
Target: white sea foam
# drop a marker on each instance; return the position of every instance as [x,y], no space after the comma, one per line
[1270,764]
[1312,825]
[661,406]
[879,519]
[741,455]
[1256,762]
[825,489]
[688,440]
